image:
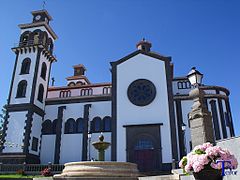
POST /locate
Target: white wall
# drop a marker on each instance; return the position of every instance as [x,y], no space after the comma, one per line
[71,148]
[76,91]
[71,144]
[40,80]
[47,149]
[27,77]
[138,67]
[179,91]
[16,124]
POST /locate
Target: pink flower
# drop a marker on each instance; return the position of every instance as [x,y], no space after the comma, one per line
[205,155]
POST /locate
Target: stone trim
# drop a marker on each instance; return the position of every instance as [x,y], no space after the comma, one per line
[180,131]
[37,24]
[13,75]
[207,96]
[71,100]
[25,107]
[139,125]
[222,118]
[114,114]
[230,117]
[79,87]
[5,128]
[151,54]
[58,134]
[19,158]
[33,93]
[27,131]
[215,119]
[85,131]
[171,110]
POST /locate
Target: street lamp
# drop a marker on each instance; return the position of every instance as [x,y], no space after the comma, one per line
[195,77]
[200,118]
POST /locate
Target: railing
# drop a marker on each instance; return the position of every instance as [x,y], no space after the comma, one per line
[31,169]
[29,42]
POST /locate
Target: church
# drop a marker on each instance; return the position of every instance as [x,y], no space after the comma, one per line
[142,112]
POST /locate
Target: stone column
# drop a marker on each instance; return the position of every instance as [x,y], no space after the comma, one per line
[200,119]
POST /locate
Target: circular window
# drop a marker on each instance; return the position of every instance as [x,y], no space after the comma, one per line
[141,92]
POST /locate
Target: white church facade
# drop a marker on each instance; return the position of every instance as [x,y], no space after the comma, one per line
[141,112]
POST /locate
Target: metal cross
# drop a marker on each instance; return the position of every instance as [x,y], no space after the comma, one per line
[53,80]
[44,4]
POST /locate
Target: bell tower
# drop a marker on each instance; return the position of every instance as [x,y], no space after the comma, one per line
[28,91]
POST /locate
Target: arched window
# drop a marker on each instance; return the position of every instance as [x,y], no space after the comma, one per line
[66,93]
[47,127]
[36,37]
[107,123]
[25,66]
[86,92]
[22,88]
[79,83]
[71,84]
[24,38]
[54,126]
[50,45]
[40,93]
[44,70]
[70,126]
[96,124]
[107,90]
[80,125]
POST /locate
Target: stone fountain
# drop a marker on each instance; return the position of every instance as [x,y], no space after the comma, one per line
[91,170]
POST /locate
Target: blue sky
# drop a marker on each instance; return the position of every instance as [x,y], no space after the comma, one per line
[200,33]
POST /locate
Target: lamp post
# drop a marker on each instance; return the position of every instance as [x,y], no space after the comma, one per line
[184,139]
[89,145]
[200,118]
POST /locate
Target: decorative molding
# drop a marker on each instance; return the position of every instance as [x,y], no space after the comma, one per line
[25,107]
[114,114]
[171,110]
[13,75]
[78,99]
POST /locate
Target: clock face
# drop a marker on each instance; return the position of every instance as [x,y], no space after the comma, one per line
[141,92]
[37,17]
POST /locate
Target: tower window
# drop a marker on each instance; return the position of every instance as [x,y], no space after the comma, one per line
[26,66]
[36,38]
[22,87]
[106,90]
[35,144]
[44,70]
[40,93]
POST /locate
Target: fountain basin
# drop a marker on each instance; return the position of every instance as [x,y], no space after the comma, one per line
[98,169]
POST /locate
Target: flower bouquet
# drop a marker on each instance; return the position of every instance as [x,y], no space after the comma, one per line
[204,158]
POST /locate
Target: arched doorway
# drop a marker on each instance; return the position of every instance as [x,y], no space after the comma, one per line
[144,147]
